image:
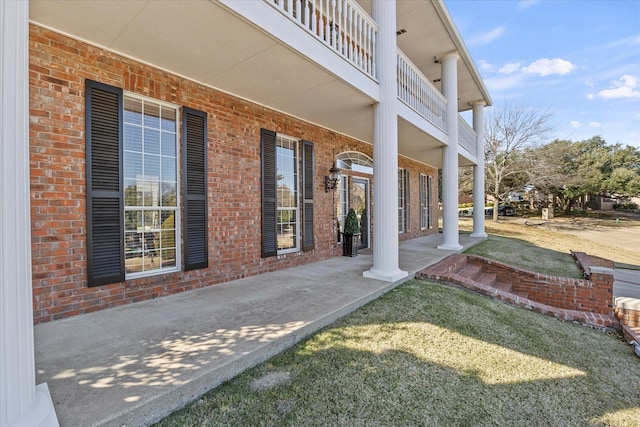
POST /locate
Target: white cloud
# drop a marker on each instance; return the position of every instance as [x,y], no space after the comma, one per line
[509,68]
[590,96]
[595,124]
[485,66]
[575,124]
[625,87]
[547,67]
[526,4]
[488,37]
[504,82]
[589,83]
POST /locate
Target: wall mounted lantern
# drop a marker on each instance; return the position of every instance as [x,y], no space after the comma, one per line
[331,181]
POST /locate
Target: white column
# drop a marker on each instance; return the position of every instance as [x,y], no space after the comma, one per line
[450,238]
[478,171]
[385,150]
[22,403]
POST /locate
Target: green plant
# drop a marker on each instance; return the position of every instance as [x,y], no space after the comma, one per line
[351,225]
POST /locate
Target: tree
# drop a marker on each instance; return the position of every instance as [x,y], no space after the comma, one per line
[570,170]
[508,132]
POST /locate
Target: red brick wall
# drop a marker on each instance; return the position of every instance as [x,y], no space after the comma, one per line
[595,295]
[58,69]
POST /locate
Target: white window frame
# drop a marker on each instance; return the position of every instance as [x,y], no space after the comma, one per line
[176,209]
[293,142]
[424,203]
[343,202]
[402,202]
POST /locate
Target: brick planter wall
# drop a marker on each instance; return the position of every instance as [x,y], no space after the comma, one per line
[583,301]
[595,295]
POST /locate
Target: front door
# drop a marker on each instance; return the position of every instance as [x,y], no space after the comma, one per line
[360,203]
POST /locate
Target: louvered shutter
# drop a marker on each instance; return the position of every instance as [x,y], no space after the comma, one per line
[307,197]
[194,172]
[269,200]
[105,215]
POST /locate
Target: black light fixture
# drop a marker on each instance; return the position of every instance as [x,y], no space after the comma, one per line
[331,181]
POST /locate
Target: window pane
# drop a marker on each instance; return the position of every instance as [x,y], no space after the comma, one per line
[132,165]
[132,111]
[151,167]
[168,258]
[151,141]
[133,221]
[151,193]
[169,194]
[132,194]
[168,144]
[151,115]
[169,169]
[132,138]
[151,220]
[168,119]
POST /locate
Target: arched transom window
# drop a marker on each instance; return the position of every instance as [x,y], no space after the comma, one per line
[355,161]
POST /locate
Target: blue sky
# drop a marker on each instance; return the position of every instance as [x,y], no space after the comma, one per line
[580,59]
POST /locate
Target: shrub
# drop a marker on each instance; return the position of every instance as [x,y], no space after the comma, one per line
[351,225]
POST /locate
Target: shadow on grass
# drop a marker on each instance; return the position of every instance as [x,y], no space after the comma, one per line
[428,354]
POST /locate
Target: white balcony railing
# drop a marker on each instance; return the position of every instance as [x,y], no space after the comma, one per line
[342,25]
[415,90]
[466,136]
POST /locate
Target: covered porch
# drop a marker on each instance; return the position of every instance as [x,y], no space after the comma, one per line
[135,364]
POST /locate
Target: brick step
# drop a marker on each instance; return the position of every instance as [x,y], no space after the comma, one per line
[470,271]
[503,286]
[488,279]
[521,294]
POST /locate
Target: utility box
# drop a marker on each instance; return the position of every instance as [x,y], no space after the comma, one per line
[547,213]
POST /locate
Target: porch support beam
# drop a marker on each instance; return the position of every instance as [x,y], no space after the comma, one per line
[450,238]
[478,171]
[385,150]
[22,403]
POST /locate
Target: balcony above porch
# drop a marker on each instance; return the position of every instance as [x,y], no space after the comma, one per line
[312,59]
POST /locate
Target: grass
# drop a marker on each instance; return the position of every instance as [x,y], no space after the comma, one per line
[429,354]
[524,254]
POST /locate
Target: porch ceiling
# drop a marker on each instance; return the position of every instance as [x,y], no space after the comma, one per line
[206,42]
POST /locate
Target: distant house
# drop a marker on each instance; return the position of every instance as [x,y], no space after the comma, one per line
[175,145]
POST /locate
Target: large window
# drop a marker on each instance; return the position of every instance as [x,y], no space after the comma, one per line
[150,185]
[424,214]
[133,197]
[425,201]
[287,187]
[401,202]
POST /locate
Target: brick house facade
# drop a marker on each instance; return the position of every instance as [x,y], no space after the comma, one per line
[58,69]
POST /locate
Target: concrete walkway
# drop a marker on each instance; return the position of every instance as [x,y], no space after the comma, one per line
[135,364]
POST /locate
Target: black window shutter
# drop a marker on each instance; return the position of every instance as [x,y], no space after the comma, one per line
[269,188]
[407,200]
[194,172]
[105,215]
[307,197]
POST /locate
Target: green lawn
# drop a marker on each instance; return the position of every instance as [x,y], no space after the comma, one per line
[524,254]
[428,354]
